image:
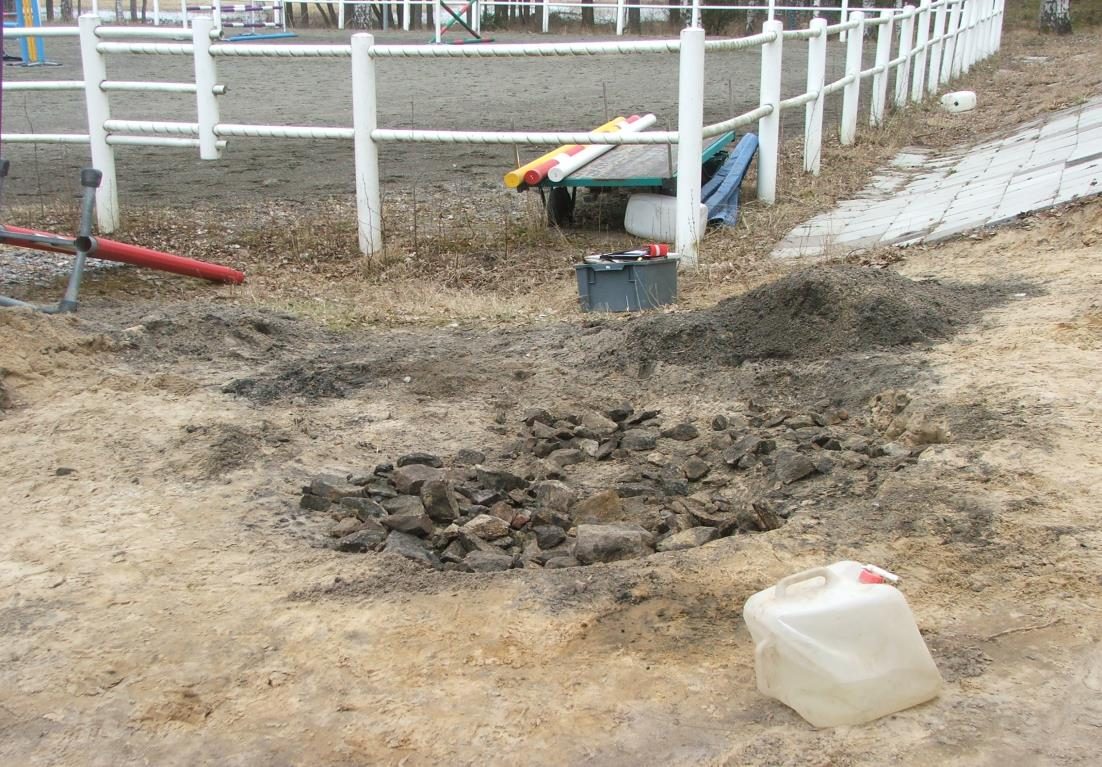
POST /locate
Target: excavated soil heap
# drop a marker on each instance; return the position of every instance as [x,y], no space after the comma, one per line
[814,313]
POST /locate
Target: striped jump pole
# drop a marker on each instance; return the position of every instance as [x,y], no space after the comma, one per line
[32,51]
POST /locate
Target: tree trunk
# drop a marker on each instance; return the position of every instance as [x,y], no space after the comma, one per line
[133,11]
[587,13]
[66,10]
[304,12]
[360,17]
[145,7]
[118,12]
[1056,16]
[635,17]
[49,10]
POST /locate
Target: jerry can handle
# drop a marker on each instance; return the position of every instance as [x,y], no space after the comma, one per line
[816,572]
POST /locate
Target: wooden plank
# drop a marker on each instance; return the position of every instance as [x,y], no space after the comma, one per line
[636,165]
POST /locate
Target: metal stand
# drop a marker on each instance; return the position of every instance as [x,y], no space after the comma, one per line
[82,245]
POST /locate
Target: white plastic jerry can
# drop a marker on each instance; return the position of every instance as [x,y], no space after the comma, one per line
[839,645]
[959,101]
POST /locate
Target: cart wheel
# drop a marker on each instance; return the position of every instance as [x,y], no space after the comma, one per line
[560,206]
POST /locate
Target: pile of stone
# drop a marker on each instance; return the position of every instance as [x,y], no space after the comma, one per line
[535,504]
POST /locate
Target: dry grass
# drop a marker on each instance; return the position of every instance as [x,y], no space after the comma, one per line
[492,260]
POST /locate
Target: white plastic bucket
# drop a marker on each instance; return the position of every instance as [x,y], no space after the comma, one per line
[654,217]
[838,650]
[959,101]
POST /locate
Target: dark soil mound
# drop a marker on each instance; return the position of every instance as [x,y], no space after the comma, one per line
[814,313]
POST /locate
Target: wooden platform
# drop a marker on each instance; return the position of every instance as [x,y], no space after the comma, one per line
[636,165]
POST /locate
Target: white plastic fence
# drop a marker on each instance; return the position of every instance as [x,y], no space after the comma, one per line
[951,36]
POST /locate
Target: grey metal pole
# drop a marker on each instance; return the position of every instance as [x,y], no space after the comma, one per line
[90,179]
[5,166]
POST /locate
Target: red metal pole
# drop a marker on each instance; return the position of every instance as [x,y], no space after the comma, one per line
[139,256]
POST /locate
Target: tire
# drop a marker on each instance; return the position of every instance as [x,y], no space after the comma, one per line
[560,206]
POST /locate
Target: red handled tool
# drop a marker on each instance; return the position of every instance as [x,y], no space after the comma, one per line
[651,250]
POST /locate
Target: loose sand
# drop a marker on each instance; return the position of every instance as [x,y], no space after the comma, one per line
[161,606]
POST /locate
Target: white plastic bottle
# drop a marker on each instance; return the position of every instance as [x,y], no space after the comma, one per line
[959,101]
[839,645]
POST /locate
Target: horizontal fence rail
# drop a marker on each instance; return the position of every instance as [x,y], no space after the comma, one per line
[934,43]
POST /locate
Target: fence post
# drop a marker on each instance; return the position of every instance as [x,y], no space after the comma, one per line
[437,22]
[978,26]
[979,31]
[989,28]
[951,31]
[922,37]
[960,38]
[935,52]
[619,18]
[999,24]
[769,126]
[813,112]
[969,43]
[340,14]
[980,50]
[369,203]
[546,16]
[973,34]
[975,48]
[206,76]
[847,134]
[694,19]
[690,143]
[993,29]
[99,112]
[843,36]
[880,79]
[903,71]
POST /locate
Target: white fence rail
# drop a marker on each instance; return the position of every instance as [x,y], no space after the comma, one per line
[963,32]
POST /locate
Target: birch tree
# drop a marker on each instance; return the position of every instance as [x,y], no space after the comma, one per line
[1056,16]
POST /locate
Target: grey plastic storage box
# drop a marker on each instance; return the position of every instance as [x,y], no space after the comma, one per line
[627,286]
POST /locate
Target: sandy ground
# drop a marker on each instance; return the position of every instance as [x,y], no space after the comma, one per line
[475,94]
[164,602]
[161,605]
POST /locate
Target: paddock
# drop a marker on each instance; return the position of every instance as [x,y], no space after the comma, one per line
[462,94]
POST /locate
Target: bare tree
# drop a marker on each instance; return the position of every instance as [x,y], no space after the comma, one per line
[328,14]
[1056,16]
[360,18]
